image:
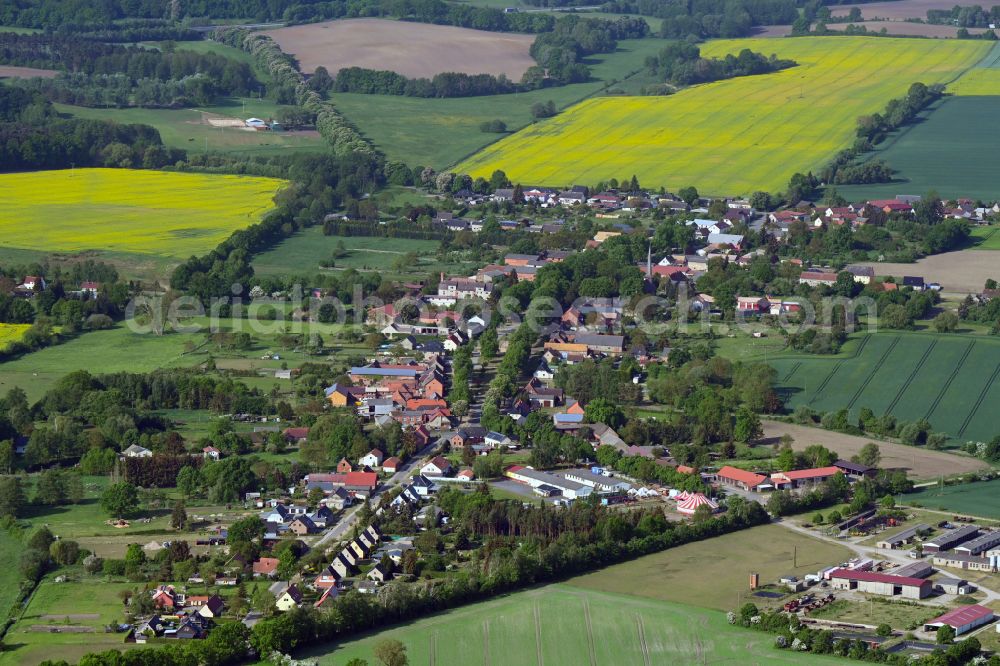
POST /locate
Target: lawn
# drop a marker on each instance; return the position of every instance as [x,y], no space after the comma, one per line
[189,129]
[906,374]
[147,212]
[735,136]
[977,499]
[441,132]
[560,625]
[715,573]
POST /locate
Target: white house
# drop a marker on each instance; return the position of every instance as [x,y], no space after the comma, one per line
[439,466]
[136,451]
[371,459]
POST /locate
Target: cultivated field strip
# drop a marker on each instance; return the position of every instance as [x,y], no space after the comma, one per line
[979,401]
[944,379]
[878,366]
[731,136]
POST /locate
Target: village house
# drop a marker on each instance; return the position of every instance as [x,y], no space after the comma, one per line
[289,599]
[371,459]
[438,466]
[732,476]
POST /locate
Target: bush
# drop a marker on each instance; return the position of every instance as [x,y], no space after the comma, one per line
[496,126]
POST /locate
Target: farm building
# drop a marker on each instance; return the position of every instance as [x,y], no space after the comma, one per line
[901,538]
[966,562]
[731,476]
[800,478]
[880,583]
[602,484]
[536,479]
[984,542]
[962,619]
[949,585]
[951,539]
[853,470]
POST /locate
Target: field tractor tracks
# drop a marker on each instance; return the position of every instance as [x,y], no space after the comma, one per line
[878,366]
[590,632]
[791,372]
[486,642]
[947,383]
[642,641]
[979,401]
[433,651]
[823,384]
[909,380]
[538,635]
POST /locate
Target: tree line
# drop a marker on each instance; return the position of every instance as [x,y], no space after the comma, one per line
[709,18]
[681,63]
[446,84]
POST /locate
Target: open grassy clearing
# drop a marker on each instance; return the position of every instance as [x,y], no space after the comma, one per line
[154,212]
[987,238]
[411,49]
[190,129]
[715,573]
[731,136]
[948,380]
[441,132]
[977,499]
[301,255]
[559,625]
[900,616]
[918,463]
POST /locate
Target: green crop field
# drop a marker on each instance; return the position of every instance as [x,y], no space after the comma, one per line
[947,379]
[440,132]
[714,573]
[561,625]
[146,212]
[978,499]
[933,154]
[189,129]
[10,577]
[732,136]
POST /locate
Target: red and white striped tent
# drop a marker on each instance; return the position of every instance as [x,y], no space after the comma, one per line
[683,496]
[694,501]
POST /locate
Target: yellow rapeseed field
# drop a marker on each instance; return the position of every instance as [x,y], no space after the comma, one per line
[121,210]
[11,333]
[735,136]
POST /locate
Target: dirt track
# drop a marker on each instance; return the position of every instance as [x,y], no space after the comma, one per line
[8,71]
[961,272]
[919,463]
[411,49]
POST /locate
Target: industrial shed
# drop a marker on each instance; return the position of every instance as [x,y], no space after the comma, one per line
[880,583]
[904,537]
[951,539]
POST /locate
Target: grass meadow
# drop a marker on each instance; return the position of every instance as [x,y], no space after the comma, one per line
[188,129]
[977,499]
[987,238]
[302,254]
[147,212]
[441,132]
[715,573]
[560,625]
[734,136]
[948,380]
